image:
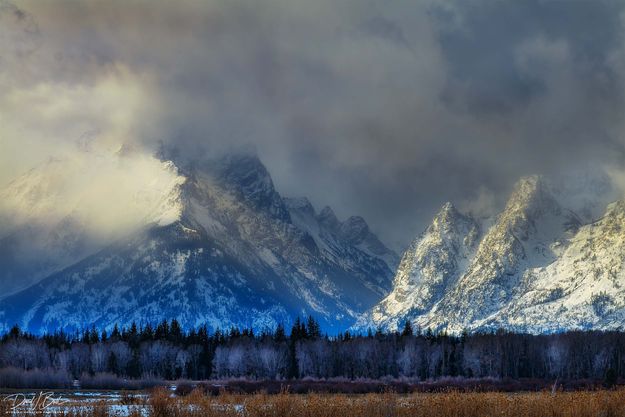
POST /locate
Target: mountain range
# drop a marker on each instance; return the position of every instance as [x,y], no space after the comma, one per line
[213,242]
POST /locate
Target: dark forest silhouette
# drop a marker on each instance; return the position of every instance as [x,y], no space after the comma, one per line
[166,351]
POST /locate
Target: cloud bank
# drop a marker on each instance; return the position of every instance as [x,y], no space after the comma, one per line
[380,109]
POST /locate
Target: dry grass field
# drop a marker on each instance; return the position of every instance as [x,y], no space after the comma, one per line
[161,403]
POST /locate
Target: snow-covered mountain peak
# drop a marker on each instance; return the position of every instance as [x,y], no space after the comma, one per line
[447,219]
[530,197]
[447,209]
[245,173]
[429,267]
[523,236]
[328,219]
[300,204]
[355,229]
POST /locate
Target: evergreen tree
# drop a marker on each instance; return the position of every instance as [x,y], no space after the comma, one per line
[234,333]
[15,332]
[115,335]
[133,369]
[292,363]
[175,332]
[296,330]
[111,364]
[162,331]
[610,378]
[407,331]
[147,333]
[314,331]
[279,335]
[94,337]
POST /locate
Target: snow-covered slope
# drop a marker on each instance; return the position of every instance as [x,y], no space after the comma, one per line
[540,266]
[222,247]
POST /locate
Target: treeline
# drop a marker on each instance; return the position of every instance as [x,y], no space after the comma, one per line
[166,351]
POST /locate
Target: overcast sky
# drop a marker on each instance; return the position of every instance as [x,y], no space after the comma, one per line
[382,109]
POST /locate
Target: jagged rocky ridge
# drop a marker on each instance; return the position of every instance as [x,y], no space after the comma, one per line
[220,247]
[548,262]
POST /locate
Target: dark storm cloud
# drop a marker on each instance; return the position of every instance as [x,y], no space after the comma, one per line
[482,52]
[380,109]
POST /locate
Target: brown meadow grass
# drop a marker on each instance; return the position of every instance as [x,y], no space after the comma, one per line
[162,403]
